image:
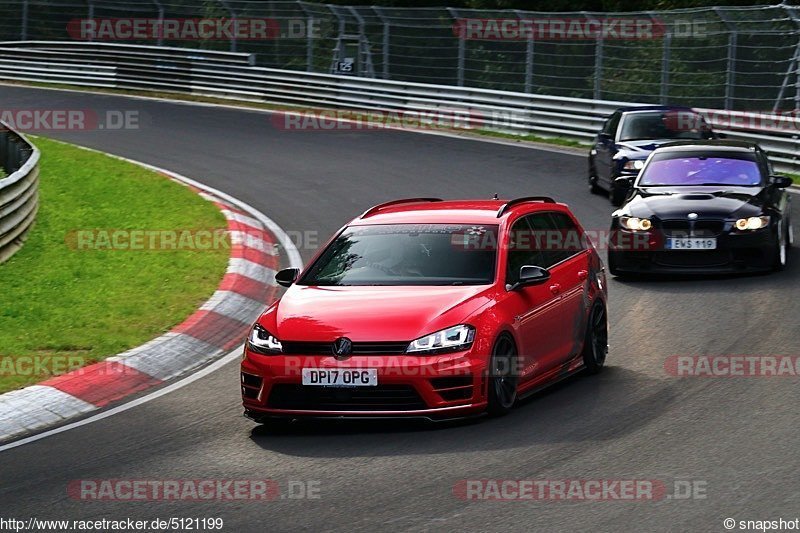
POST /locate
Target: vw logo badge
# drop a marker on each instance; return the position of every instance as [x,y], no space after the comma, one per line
[692,216]
[342,348]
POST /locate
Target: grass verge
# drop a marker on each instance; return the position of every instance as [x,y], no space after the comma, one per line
[64,307]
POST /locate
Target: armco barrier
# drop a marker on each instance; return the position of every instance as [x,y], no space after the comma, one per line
[19,191]
[231,75]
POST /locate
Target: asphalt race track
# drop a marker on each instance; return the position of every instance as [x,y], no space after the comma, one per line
[738,437]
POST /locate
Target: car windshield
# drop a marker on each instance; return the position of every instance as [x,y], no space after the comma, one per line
[664,125]
[408,254]
[701,170]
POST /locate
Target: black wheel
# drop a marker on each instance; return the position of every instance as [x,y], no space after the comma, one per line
[503,377]
[612,265]
[595,347]
[781,253]
[615,195]
[594,188]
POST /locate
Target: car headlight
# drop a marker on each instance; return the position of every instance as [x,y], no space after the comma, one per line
[633,164]
[262,341]
[635,224]
[752,223]
[452,339]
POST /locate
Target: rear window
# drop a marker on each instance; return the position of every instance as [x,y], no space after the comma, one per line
[676,124]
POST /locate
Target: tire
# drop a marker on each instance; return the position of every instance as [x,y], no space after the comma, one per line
[503,378]
[615,196]
[781,253]
[612,266]
[595,346]
[594,188]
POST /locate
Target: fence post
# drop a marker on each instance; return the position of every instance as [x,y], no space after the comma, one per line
[730,78]
[160,8]
[598,67]
[309,37]
[665,57]
[23,31]
[528,57]
[386,36]
[90,16]
[227,6]
[461,50]
[796,59]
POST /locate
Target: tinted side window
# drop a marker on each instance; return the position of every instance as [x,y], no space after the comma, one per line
[545,239]
[567,239]
[611,126]
[522,249]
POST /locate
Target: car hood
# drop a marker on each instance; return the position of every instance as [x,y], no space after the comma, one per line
[641,148]
[370,313]
[708,202]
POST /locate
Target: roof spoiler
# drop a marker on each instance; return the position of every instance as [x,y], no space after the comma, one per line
[511,203]
[374,209]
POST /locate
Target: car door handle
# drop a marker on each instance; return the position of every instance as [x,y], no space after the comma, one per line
[555,288]
[583,274]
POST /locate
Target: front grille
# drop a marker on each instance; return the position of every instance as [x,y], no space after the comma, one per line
[453,388]
[697,228]
[696,259]
[380,398]
[359,348]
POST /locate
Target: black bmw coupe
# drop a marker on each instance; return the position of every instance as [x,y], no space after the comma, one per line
[705,207]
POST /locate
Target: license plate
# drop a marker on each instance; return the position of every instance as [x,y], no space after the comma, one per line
[340,377]
[692,243]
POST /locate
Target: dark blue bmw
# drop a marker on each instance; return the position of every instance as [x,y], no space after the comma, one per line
[628,137]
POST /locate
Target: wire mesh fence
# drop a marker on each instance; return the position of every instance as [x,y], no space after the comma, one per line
[743,58]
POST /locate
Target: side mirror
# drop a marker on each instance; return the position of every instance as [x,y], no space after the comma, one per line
[530,275]
[287,276]
[719,135]
[781,182]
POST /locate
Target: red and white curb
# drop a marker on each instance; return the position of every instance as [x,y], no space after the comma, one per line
[220,324]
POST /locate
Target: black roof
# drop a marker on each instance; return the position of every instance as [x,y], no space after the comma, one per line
[654,108]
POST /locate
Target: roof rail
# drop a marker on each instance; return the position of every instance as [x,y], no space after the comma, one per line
[374,209]
[515,201]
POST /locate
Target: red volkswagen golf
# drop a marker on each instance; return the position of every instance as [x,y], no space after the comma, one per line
[433,309]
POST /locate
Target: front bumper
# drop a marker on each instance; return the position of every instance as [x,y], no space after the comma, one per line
[735,253]
[434,387]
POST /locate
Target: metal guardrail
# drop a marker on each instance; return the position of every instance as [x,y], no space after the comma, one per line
[19,191]
[231,76]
